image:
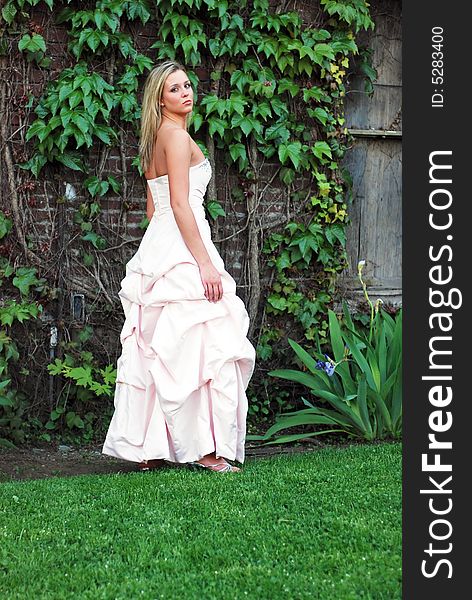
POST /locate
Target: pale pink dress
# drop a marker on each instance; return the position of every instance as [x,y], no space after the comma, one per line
[186,362]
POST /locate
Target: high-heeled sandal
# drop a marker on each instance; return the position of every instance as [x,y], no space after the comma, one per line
[225,467]
[150,465]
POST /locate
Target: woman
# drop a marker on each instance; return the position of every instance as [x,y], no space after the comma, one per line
[186,361]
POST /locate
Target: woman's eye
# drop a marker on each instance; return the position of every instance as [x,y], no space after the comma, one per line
[186,85]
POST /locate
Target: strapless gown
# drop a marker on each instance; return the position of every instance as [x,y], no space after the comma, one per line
[186,362]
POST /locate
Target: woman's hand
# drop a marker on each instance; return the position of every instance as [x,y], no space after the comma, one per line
[211,280]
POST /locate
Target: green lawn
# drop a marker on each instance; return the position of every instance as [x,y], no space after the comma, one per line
[321,525]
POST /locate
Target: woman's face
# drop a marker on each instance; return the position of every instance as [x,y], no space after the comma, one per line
[177,96]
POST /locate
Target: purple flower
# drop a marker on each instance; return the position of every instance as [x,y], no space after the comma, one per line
[329,368]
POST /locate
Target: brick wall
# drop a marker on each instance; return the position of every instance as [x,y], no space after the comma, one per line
[47,216]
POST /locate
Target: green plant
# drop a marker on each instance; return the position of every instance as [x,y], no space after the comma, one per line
[261,407]
[94,379]
[13,402]
[14,9]
[86,384]
[272,99]
[362,385]
[35,48]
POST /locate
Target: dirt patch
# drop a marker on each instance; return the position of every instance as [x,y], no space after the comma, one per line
[41,462]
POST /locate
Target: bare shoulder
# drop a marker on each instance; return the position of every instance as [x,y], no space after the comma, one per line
[175,137]
[177,148]
[177,133]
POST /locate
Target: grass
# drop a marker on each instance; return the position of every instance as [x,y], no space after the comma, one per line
[320,525]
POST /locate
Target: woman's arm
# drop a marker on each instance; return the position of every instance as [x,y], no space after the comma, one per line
[178,155]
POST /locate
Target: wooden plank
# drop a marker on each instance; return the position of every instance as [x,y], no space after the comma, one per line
[374,161]
[384,109]
[375,133]
[381,112]
[375,232]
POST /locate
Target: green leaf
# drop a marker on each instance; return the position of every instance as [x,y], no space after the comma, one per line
[114,184]
[382,350]
[8,12]
[335,335]
[314,93]
[387,386]
[217,126]
[81,375]
[64,91]
[109,374]
[34,164]
[36,128]
[72,162]
[23,43]
[245,123]
[297,376]
[215,209]
[395,349]
[55,368]
[4,383]
[100,389]
[338,231]
[277,132]
[236,104]
[238,152]
[297,421]
[25,278]
[321,52]
[97,241]
[6,225]
[75,98]
[70,418]
[396,408]
[361,361]
[320,115]
[93,39]
[32,44]
[321,149]
[88,259]
[81,122]
[290,151]
[284,85]
[347,316]
[37,43]
[138,9]
[363,411]
[104,133]
[374,367]
[56,414]
[382,409]
[112,20]
[6,401]
[333,414]
[210,102]
[277,302]
[309,362]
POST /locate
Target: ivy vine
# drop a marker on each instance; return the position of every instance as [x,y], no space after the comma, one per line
[275,103]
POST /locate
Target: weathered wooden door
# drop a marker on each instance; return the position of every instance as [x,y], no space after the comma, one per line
[375,162]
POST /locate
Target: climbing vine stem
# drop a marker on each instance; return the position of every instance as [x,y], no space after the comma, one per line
[270,117]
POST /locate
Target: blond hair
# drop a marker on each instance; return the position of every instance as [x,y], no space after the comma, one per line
[151,110]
